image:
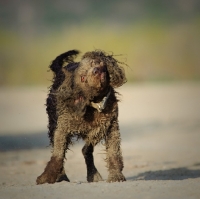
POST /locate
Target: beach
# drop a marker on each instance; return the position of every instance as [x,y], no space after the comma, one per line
[160,132]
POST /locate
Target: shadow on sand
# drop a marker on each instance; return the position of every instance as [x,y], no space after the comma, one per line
[21,142]
[181,173]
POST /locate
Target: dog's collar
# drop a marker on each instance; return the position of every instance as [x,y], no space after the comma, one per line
[101,105]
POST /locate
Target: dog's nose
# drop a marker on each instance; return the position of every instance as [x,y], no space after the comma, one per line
[96,70]
[99,70]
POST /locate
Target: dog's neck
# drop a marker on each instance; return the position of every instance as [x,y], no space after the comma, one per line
[101,104]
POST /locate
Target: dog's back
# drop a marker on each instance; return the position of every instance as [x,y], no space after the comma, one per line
[59,76]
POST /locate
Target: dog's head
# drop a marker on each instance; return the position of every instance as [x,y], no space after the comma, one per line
[92,74]
[87,82]
[97,71]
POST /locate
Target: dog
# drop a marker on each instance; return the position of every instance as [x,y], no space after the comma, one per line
[82,103]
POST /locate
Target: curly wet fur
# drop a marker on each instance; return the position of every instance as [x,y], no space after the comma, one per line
[76,85]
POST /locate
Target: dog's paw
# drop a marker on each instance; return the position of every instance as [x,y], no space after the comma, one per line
[96,177]
[116,177]
[46,178]
[62,177]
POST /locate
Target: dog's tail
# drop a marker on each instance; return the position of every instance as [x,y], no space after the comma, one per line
[58,62]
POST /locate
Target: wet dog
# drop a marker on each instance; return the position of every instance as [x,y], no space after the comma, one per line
[82,103]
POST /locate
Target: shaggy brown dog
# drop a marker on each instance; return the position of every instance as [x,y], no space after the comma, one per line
[82,103]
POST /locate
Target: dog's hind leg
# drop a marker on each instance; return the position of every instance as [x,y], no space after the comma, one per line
[92,174]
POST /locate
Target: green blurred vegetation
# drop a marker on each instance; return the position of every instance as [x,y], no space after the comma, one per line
[157,40]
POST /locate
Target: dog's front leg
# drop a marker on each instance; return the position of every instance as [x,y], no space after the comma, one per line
[114,155]
[54,171]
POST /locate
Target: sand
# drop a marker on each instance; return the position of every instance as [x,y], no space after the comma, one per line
[160,129]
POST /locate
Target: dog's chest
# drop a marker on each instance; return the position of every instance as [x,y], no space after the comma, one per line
[93,118]
[92,127]
[95,126]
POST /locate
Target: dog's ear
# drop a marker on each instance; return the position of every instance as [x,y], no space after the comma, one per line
[116,72]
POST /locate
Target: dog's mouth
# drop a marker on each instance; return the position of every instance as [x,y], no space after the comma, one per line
[102,77]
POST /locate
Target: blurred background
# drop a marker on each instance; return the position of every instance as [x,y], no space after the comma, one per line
[158,39]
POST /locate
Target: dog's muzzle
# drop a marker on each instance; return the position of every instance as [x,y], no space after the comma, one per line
[100,72]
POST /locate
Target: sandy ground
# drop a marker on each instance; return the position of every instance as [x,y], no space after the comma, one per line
[160,128]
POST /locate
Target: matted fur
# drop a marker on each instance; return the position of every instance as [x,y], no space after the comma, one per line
[76,87]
